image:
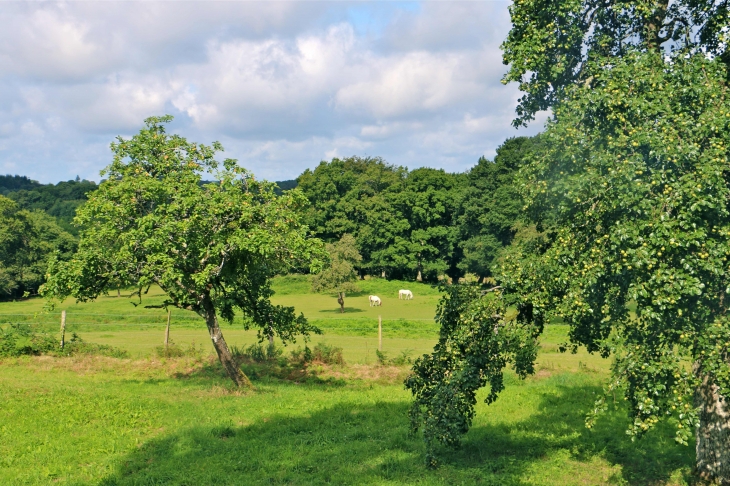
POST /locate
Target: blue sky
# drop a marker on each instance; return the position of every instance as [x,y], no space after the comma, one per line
[282,85]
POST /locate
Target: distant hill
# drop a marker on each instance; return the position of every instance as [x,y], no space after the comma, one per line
[285,186]
[10,183]
[61,200]
[58,200]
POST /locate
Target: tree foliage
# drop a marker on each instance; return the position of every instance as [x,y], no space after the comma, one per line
[402,222]
[212,248]
[476,342]
[639,187]
[57,200]
[340,275]
[553,44]
[630,198]
[27,241]
[491,206]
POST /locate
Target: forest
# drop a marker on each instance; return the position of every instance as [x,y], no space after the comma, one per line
[422,224]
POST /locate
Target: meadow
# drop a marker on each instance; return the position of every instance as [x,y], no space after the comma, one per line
[151,420]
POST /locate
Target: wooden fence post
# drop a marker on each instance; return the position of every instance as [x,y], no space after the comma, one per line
[380,334]
[167,329]
[63,329]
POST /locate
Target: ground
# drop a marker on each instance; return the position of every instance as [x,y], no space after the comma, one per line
[150,420]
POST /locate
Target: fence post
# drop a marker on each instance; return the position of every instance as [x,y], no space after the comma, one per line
[167,329]
[63,329]
[380,334]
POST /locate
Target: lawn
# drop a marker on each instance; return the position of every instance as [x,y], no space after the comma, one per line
[146,420]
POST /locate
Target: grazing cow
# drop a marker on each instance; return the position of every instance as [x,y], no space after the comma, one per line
[405,294]
[374,300]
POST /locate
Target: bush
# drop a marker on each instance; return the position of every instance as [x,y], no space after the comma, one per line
[321,353]
[403,359]
[258,353]
[326,354]
[173,350]
[77,346]
[20,340]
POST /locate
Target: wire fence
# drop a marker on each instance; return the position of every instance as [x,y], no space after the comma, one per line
[87,321]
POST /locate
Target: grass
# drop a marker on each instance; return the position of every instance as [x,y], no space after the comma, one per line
[108,421]
[146,420]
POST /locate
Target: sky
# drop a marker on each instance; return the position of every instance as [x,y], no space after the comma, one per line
[282,85]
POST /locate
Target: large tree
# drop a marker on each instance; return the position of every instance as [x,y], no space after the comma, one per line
[211,247]
[402,221]
[637,190]
[429,200]
[630,201]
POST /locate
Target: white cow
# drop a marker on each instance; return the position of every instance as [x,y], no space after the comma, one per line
[374,300]
[405,294]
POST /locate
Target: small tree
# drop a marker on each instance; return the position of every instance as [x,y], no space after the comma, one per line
[340,275]
[211,247]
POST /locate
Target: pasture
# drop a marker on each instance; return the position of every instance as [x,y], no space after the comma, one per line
[150,420]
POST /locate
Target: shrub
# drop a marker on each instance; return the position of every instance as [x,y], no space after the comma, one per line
[20,340]
[321,353]
[258,353]
[173,350]
[77,346]
[327,354]
[403,359]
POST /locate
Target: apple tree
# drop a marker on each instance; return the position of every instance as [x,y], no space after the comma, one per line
[212,247]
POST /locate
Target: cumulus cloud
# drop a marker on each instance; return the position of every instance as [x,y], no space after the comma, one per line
[282,85]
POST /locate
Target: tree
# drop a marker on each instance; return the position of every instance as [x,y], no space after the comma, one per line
[630,203]
[429,200]
[639,189]
[27,242]
[402,221]
[211,247]
[351,196]
[555,44]
[339,276]
[491,206]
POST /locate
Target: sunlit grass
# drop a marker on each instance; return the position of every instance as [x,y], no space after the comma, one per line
[145,420]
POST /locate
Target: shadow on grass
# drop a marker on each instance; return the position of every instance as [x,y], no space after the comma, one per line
[348,310]
[370,443]
[210,370]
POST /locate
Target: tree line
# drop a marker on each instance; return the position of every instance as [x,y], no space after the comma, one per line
[421,224]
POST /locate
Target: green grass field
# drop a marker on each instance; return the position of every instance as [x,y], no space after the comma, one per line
[145,420]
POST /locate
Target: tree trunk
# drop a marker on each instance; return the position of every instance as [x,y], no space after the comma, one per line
[224,354]
[341,301]
[419,277]
[713,434]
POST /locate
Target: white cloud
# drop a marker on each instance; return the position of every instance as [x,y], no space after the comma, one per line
[282,85]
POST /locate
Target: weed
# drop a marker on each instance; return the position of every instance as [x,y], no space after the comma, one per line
[321,353]
[19,339]
[327,354]
[173,350]
[257,353]
[403,359]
